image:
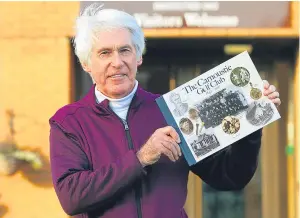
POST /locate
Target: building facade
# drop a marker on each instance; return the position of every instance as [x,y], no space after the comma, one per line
[39,73]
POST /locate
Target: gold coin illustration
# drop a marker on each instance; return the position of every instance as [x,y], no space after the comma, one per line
[255,93]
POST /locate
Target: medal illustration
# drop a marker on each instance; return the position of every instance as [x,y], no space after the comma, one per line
[255,93]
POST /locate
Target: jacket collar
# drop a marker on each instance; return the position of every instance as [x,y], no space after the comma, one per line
[103,107]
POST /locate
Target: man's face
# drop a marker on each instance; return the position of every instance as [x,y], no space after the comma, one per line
[113,63]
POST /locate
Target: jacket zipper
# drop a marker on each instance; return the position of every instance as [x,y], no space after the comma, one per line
[138,189]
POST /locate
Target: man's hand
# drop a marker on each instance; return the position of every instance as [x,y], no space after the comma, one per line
[163,141]
[271,93]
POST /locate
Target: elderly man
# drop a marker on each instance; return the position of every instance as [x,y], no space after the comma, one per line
[112,153]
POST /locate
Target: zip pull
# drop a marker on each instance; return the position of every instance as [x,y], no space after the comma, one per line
[125,125]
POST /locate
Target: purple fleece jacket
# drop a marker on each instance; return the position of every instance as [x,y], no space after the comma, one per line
[96,173]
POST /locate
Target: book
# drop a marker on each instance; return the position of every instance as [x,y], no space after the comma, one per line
[218,108]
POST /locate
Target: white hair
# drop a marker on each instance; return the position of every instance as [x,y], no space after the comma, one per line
[95,19]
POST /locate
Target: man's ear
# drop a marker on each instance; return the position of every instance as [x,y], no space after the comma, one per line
[86,67]
[140,61]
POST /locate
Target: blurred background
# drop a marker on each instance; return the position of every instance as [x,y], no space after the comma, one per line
[39,73]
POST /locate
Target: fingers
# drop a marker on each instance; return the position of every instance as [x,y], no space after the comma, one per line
[273,95]
[169,130]
[166,151]
[276,101]
[177,148]
[169,143]
[165,141]
[266,84]
[269,90]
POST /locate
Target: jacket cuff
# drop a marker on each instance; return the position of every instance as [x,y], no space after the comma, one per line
[136,163]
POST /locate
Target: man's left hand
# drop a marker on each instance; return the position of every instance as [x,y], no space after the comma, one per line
[271,93]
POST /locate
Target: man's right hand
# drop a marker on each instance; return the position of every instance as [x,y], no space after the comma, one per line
[162,141]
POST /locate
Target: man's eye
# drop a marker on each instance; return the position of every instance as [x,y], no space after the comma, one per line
[125,50]
[104,53]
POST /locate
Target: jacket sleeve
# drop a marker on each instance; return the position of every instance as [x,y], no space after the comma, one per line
[233,167]
[80,189]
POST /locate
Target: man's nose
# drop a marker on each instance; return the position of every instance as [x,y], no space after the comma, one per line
[117,60]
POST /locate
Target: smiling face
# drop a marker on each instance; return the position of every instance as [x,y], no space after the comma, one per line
[113,63]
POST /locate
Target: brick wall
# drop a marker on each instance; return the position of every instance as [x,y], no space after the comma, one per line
[35,71]
[37,19]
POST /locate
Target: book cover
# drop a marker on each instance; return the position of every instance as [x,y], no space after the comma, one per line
[218,108]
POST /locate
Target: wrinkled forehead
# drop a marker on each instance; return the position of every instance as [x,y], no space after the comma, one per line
[113,38]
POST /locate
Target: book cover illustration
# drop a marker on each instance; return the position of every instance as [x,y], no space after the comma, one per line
[218,108]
